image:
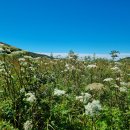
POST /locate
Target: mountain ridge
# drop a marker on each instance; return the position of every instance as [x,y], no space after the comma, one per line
[8,49]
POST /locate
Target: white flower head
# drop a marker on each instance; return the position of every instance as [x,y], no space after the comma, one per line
[91,66]
[17,52]
[116,69]
[84,98]
[118,79]
[21,59]
[23,63]
[80,98]
[67,66]
[108,79]
[95,86]
[58,92]
[32,68]
[87,95]
[72,67]
[22,90]
[30,97]
[37,58]
[123,89]
[28,125]
[28,57]
[116,86]
[92,108]
[123,83]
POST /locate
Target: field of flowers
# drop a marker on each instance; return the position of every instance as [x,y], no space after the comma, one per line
[63,94]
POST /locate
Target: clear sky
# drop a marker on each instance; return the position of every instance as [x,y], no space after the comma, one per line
[85,26]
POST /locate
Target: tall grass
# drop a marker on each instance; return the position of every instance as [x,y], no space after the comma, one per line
[64,94]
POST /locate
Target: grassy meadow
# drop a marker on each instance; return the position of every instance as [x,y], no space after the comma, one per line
[63,94]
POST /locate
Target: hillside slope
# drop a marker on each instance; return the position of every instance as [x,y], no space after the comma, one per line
[8,49]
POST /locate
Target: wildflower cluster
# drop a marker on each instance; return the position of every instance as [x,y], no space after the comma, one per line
[92,108]
[63,94]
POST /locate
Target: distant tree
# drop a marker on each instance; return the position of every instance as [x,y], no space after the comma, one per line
[114,54]
[51,55]
[87,58]
[94,56]
[71,54]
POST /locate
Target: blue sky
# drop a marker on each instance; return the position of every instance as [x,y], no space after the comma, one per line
[85,26]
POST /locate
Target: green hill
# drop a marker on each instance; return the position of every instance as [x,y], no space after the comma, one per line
[8,49]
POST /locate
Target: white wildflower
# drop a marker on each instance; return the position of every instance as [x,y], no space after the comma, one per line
[8,50]
[28,57]
[116,86]
[116,69]
[58,92]
[51,61]
[65,70]
[22,69]
[32,68]
[30,97]
[72,67]
[67,66]
[108,79]
[17,52]
[91,66]
[80,98]
[123,89]
[22,90]
[92,108]
[123,83]
[118,79]
[86,95]
[23,63]
[37,58]
[84,98]
[21,59]
[28,125]
[95,86]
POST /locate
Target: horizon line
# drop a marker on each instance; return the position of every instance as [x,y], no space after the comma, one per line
[82,55]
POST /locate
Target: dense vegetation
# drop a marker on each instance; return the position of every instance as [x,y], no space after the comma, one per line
[63,94]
